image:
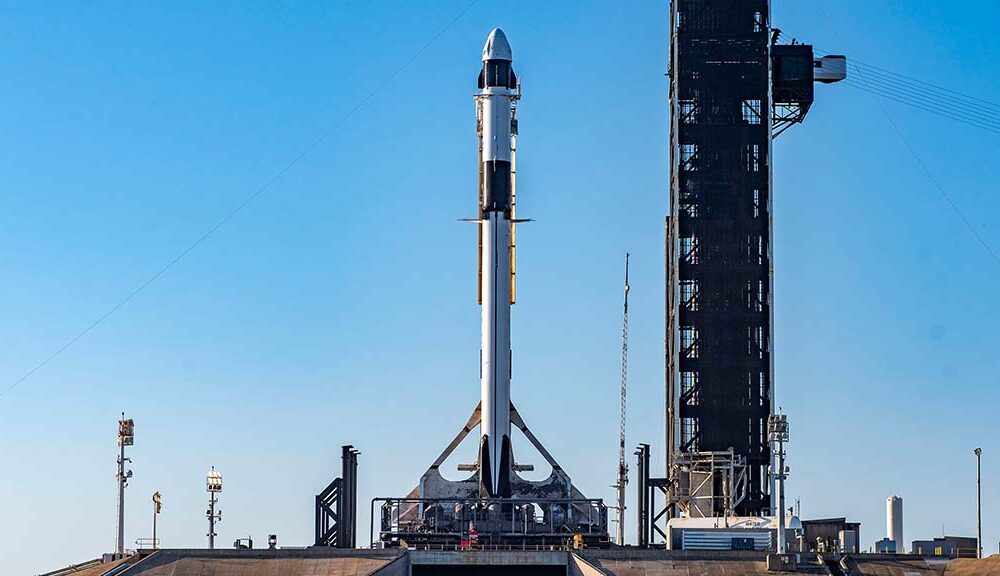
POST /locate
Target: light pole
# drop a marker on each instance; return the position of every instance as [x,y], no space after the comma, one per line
[126,437]
[777,432]
[213,485]
[157,502]
[979,502]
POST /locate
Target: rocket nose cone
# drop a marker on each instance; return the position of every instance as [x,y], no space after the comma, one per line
[497,47]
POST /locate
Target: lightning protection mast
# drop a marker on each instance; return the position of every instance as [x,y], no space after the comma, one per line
[622,466]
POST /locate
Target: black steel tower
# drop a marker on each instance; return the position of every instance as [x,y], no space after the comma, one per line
[719,279]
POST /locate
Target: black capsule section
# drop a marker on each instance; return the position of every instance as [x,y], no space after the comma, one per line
[497,74]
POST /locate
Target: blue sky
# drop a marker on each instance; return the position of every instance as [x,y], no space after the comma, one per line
[340,306]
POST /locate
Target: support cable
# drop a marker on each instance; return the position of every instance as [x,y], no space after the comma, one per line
[239,207]
[925,96]
[912,83]
[989,126]
[930,176]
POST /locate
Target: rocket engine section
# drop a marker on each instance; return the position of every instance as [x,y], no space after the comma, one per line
[496,128]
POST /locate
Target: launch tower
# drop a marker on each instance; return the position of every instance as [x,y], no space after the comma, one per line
[733,88]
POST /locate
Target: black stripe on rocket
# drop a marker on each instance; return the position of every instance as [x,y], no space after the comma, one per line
[496,184]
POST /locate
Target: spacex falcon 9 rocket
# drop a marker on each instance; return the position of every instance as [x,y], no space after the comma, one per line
[494,107]
[495,470]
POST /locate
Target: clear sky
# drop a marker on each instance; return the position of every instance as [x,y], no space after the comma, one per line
[340,306]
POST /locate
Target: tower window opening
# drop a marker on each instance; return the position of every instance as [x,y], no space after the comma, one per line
[689,157]
[689,342]
[751,111]
[689,295]
[689,388]
[688,110]
[689,249]
[689,433]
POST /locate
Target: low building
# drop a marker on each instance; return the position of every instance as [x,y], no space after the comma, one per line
[946,546]
[730,533]
[831,535]
[884,546]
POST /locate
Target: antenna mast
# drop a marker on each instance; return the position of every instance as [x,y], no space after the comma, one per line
[622,466]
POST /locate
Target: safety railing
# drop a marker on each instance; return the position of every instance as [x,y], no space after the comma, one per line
[488,520]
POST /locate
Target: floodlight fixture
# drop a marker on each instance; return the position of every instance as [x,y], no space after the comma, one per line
[213,481]
[126,431]
[777,428]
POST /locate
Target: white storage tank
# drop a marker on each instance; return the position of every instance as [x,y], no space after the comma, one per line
[894,521]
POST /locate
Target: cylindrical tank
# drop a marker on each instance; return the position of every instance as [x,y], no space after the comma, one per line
[894,521]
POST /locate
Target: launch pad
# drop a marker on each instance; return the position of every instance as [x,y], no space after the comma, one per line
[441,512]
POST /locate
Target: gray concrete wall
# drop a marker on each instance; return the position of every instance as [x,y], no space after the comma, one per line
[489,557]
[286,562]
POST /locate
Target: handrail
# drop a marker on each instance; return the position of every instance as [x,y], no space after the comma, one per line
[74,568]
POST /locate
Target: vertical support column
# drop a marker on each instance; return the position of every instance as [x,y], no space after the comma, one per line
[211,521]
[337,505]
[768,332]
[320,523]
[347,504]
[342,504]
[157,502]
[979,503]
[782,534]
[642,496]
[120,541]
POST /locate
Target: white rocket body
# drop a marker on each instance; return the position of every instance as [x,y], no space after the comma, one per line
[497,85]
